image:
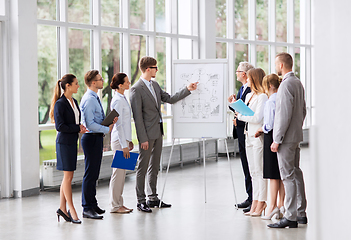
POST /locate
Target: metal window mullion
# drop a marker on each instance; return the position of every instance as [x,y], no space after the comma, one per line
[169,70]
[174,16]
[96,35]
[150,20]
[171,12]
[252,31]
[290,28]
[290,13]
[62,40]
[305,55]
[231,47]
[195,29]
[272,33]
[125,43]
[63,51]
[62,10]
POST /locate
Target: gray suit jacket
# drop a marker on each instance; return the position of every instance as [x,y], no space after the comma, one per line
[290,111]
[146,112]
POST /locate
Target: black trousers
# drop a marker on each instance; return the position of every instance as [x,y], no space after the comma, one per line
[92,146]
[245,165]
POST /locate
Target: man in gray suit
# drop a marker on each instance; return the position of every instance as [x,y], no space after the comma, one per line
[145,97]
[287,134]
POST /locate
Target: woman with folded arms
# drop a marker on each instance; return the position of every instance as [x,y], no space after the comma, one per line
[271,84]
[66,115]
[254,146]
[121,139]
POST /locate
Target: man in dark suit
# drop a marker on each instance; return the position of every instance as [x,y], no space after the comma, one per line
[238,131]
[146,97]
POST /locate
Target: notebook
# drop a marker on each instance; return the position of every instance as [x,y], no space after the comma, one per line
[109,119]
[120,162]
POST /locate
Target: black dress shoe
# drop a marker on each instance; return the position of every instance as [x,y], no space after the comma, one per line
[283,223]
[99,210]
[143,207]
[245,210]
[244,204]
[302,220]
[91,214]
[156,203]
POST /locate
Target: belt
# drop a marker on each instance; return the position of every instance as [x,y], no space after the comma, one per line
[97,134]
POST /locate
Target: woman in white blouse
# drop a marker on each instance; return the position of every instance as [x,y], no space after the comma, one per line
[254,146]
[121,139]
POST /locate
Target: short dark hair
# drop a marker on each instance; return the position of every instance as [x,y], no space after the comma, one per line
[90,76]
[146,62]
[117,79]
[286,59]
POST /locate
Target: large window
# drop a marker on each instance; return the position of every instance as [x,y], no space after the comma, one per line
[78,35]
[261,29]
[75,36]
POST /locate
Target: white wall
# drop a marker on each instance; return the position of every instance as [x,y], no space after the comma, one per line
[330,144]
[22,100]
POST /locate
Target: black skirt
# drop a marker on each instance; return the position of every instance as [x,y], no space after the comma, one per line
[66,155]
[270,159]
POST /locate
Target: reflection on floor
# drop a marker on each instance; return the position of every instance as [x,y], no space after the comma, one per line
[189,218]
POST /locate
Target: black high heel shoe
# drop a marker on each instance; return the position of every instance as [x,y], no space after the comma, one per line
[74,221]
[62,214]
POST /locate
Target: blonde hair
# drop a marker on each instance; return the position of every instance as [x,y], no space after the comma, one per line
[66,79]
[256,76]
[271,79]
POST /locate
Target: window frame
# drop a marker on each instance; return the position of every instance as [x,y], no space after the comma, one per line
[304,45]
[171,35]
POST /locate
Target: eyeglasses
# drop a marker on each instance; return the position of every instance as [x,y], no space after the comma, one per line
[154,68]
[101,79]
[240,71]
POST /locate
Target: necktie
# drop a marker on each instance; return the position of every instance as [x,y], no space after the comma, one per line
[153,91]
[102,109]
[241,91]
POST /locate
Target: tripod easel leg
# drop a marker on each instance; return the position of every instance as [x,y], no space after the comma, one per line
[204,155]
[169,163]
[231,173]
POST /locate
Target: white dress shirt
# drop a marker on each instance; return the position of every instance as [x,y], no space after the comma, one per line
[150,87]
[244,88]
[75,110]
[269,112]
[122,130]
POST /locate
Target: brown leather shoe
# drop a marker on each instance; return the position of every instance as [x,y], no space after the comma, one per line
[121,210]
[129,209]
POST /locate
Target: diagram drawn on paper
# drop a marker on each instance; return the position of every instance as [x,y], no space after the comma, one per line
[205,104]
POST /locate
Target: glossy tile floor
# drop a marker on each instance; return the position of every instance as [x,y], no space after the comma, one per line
[189,218]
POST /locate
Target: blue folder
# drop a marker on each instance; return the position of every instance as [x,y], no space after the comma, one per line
[124,163]
[242,108]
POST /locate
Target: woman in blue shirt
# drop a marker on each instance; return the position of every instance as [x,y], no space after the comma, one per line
[271,84]
[66,115]
[121,139]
